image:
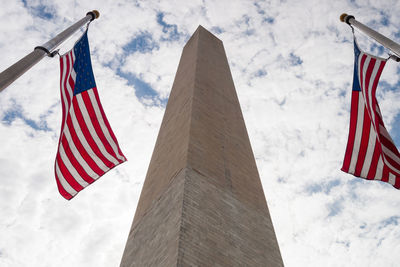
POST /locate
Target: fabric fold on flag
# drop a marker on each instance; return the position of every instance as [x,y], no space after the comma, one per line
[371,153]
[87,147]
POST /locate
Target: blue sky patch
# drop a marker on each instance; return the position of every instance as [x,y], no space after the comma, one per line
[394,132]
[141,43]
[376,49]
[142,89]
[170,29]
[397,34]
[217,30]
[384,20]
[17,113]
[393,220]
[325,187]
[261,11]
[269,20]
[261,73]
[314,188]
[42,11]
[335,208]
[295,60]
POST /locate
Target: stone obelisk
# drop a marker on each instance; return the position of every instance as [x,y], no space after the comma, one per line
[202,202]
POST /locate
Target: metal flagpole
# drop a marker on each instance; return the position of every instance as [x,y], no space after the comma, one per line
[15,71]
[386,42]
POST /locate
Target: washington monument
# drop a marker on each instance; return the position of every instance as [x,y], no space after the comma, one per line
[202,202]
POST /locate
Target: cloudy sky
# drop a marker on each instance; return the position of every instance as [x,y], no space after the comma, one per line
[292,64]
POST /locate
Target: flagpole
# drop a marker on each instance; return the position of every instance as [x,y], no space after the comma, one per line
[9,75]
[386,42]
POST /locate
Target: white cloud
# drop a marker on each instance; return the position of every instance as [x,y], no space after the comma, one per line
[292,66]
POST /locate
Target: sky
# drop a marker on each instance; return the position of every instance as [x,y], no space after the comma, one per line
[292,65]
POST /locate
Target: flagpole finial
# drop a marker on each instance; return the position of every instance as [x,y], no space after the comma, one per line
[343,17]
[346,18]
[94,13]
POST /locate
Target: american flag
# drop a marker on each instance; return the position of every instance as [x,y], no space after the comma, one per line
[87,147]
[371,152]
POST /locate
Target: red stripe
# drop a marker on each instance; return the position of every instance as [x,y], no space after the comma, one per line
[96,94]
[352,130]
[374,162]
[364,143]
[74,162]
[67,175]
[385,174]
[61,189]
[85,155]
[96,124]
[87,134]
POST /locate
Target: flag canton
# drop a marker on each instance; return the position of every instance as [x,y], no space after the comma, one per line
[356,83]
[83,66]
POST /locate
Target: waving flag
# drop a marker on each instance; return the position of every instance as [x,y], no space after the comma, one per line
[87,147]
[371,152]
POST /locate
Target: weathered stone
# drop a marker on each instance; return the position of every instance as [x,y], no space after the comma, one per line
[202,203]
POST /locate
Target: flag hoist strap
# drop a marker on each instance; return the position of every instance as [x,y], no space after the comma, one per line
[391,56]
[49,54]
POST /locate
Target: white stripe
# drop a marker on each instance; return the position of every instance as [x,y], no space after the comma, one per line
[92,131]
[392,178]
[103,125]
[379,169]
[370,152]
[63,182]
[78,155]
[84,142]
[71,168]
[357,139]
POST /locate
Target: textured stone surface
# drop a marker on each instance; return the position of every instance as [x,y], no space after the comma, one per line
[154,239]
[219,230]
[202,203]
